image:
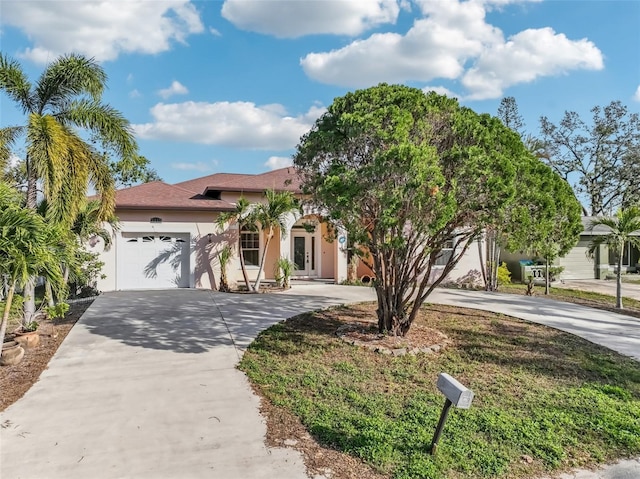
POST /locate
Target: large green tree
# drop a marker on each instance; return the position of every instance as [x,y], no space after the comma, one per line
[68,134]
[413,178]
[620,230]
[601,159]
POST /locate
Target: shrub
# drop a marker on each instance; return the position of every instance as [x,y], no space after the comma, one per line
[504,275]
[284,270]
[57,311]
[15,312]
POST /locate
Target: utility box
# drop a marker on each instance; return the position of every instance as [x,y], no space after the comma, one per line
[459,395]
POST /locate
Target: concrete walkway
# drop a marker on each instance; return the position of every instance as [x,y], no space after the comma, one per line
[145,385]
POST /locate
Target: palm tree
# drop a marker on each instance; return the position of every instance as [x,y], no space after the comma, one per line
[61,109]
[26,249]
[271,215]
[240,216]
[621,227]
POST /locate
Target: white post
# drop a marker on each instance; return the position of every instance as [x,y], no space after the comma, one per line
[341,263]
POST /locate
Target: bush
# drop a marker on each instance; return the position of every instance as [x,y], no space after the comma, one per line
[15,312]
[284,271]
[57,311]
[504,275]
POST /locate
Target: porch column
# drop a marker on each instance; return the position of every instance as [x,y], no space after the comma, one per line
[285,236]
[341,263]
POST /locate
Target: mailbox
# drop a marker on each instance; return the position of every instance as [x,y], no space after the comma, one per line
[459,395]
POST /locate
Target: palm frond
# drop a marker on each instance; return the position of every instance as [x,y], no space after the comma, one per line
[14,83]
[66,77]
[8,136]
[109,126]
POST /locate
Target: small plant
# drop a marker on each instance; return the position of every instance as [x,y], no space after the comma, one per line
[57,311]
[530,286]
[30,326]
[224,257]
[354,282]
[504,275]
[284,270]
[554,272]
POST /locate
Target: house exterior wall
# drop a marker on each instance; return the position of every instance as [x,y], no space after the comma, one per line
[327,254]
[206,240]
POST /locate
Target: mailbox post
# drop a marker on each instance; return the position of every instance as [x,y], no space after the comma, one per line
[457,395]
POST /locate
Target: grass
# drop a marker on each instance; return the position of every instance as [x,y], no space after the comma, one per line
[545,400]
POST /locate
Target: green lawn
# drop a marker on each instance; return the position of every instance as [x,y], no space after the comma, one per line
[540,393]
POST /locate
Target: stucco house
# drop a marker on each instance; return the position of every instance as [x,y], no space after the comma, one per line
[168,238]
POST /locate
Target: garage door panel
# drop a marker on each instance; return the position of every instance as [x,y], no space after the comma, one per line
[152,261]
[577,265]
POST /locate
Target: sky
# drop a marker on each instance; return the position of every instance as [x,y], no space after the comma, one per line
[231,86]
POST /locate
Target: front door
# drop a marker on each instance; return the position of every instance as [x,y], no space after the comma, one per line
[304,254]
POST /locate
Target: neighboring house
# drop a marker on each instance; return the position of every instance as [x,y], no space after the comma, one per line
[168,237]
[577,263]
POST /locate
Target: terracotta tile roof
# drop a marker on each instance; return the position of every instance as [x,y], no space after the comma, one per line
[159,195]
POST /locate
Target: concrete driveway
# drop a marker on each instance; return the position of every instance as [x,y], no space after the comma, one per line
[145,385]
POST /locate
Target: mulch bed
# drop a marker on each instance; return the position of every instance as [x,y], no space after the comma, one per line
[16,380]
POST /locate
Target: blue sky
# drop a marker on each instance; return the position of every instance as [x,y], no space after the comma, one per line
[212,86]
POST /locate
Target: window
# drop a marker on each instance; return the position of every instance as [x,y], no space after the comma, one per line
[445,255]
[165,239]
[147,239]
[250,247]
[155,219]
[626,256]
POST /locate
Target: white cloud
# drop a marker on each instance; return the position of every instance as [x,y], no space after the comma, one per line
[277,162]
[195,166]
[527,56]
[239,124]
[440,90]
[636,97]
[296,18]
[134,93]
[215,32]
[102,30]
[176,88]
[453,41]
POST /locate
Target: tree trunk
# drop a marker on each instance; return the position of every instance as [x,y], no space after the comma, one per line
[256,286]
[5,314]
[243,267]
[29,292]
[619,280]
[49,290]
[482,268]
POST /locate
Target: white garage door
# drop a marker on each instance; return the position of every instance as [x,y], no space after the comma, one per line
[576,263]
[152,261]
